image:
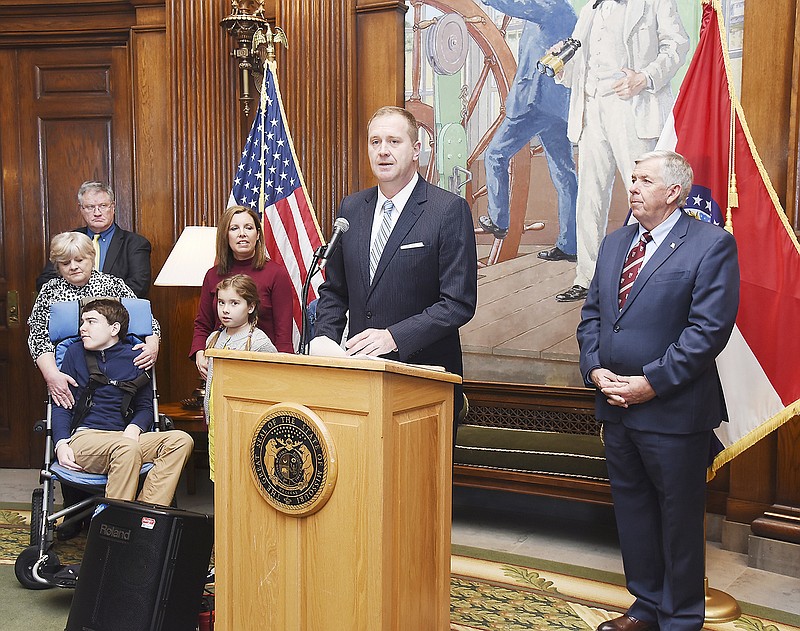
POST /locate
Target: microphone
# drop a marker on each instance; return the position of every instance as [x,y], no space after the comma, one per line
[340,226]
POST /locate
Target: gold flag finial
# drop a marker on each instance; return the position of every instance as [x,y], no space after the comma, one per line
[279,37]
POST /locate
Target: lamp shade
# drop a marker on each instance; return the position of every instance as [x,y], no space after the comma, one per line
[191,257]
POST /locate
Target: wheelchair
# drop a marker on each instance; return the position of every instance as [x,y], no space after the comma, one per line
[37,566]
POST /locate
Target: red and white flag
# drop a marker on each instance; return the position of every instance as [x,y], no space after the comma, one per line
[759,370]
[269,180]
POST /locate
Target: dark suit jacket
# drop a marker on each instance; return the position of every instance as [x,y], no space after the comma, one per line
[425,286]
[128,258]
[677,319]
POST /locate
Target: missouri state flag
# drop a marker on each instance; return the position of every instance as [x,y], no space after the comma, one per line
[759,370]
[268,179]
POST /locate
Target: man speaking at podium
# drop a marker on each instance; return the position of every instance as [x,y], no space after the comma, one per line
[407,267]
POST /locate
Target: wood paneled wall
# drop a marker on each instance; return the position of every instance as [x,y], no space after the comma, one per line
[320,109]
[206,117]
[351,53]
[65,116]
[380,50]
[203,130]
[767,101]
[346,58]
[793,161]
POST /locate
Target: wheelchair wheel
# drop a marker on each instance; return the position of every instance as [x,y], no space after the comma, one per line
[36,515]
[23,568]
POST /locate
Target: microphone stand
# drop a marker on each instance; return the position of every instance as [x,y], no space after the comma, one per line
[312,270]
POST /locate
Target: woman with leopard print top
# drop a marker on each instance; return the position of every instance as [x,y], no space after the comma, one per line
[73,255]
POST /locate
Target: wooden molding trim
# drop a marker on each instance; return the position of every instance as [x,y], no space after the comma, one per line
[149,28]
[368,6]
[42,23]
[530,395]
[779,522]
[532,484]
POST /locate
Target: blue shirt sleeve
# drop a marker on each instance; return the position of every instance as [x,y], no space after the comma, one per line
[61,417]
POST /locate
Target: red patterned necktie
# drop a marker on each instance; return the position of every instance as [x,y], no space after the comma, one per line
[633,263]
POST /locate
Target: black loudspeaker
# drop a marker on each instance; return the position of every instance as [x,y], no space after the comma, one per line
[144,569]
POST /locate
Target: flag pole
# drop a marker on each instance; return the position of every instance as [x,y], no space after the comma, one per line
[279,37]
[269,180]
[733,193]
[720,606]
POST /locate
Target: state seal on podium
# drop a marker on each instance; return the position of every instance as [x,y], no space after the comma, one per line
[293,459]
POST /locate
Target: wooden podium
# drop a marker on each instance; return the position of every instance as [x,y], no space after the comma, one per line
[376,553]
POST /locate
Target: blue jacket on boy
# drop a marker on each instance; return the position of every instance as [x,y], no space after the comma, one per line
[116,363]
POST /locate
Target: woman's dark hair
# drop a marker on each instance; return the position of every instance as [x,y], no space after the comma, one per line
[224,254]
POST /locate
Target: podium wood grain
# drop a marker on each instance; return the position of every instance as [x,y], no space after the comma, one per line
[376,556]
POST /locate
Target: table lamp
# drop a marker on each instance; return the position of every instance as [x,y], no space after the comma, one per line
[186,266]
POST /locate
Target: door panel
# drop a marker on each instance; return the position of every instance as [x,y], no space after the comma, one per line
[66,119]
[71,148]
[15,363]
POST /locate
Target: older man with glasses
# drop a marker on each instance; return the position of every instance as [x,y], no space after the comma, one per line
[120,253]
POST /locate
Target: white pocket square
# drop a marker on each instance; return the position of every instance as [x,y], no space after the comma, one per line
[410,246]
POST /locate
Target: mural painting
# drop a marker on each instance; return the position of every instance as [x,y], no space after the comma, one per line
[541,146]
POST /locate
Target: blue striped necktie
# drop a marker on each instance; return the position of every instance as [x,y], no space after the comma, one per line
[381,238]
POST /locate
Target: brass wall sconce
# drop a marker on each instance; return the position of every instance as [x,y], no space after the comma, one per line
[254,44]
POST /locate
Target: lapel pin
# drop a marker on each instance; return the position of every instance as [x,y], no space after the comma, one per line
[672,245]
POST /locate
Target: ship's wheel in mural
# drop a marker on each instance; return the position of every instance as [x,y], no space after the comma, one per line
[443,43]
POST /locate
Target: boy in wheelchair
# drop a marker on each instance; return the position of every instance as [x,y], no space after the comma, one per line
[107,430]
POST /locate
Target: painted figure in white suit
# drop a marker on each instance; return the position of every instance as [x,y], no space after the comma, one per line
[620,100]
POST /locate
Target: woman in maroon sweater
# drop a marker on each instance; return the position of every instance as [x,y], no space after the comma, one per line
[241,250]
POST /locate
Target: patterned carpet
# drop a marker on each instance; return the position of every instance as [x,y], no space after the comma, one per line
[505,593]
[15,537]
[489,591]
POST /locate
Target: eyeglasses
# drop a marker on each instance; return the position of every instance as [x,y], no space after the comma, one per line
[92,208]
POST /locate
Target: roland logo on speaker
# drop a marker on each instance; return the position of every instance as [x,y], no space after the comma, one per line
[113,532]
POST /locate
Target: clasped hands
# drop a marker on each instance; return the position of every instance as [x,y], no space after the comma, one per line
[622,391]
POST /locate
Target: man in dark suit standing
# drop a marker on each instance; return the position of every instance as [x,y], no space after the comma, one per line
[123,254]
[648,343]
[407,267]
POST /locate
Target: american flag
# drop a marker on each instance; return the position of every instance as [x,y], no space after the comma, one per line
[268,179]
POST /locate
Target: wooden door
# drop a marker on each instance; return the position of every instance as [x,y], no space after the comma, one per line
[65,118]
